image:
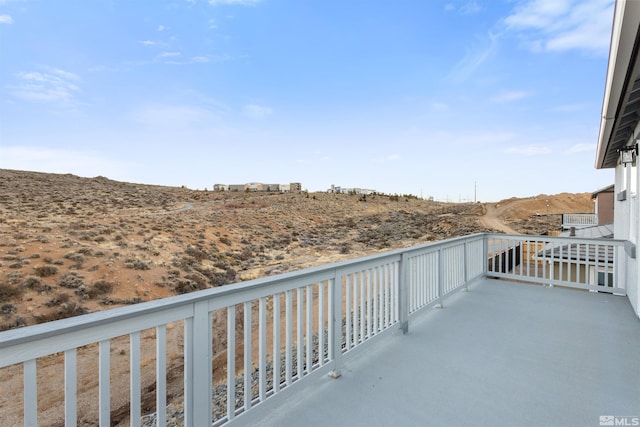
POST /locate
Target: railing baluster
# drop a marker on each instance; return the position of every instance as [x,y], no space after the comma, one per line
[402,303]
[334,343]
[30,391]
[104,383]
[369,304]
[248,371]
[309,324]
[321,323]
[420,283]
[189,359]
[335,322]
[161,376]
[440,276]
[363,308]
[354,309]
[300,330]
[395,289]
[262,349]
[376,294]
[231,362]
[134,378]
[276,343]
[70,386]
[347,287]
[288,337]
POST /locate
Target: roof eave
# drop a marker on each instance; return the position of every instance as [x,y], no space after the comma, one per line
[626,20]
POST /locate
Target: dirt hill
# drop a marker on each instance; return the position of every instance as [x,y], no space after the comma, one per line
[71,245]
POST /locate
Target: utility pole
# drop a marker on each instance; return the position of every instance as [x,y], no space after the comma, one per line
[475,192]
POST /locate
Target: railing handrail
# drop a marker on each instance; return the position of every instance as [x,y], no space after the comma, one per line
[534,238]
[97,319]
[573,219]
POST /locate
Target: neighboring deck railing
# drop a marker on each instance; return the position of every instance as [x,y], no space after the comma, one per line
[590,264]
[579,220]
[245,344]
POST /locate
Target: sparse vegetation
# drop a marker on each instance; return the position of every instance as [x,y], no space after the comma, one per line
[96,243]
[46,270]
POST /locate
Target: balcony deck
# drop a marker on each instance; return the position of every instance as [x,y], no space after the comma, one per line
[501,354]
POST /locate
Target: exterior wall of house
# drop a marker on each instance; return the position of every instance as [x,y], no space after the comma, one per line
[626,226]
[604,207]
[622,73]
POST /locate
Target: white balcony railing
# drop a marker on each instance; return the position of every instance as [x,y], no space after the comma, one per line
[579,220]
[590,264]
[244,345]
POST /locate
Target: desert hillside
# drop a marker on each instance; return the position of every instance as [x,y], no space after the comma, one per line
[71,245]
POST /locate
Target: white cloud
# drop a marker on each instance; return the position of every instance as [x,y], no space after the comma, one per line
[561,25]
[199,59]
[531,150]
[147,42]
[474,58]
[234,2]
[53,86]
[509,96]
[470,8]
[161,28]
[438,106]
[212,24]
[449,7]
[255,111]
[568,108]
[169,54]
[6,19]
[172,116]
[385,159]
[578,148]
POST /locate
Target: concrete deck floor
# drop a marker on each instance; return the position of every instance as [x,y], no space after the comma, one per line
[502,354]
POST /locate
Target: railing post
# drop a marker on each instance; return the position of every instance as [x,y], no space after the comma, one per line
[465,259]
[403,293]
[485,256]
[199,384]
[335,316]
[440,278]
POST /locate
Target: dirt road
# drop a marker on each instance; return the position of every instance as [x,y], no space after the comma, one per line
[492,216]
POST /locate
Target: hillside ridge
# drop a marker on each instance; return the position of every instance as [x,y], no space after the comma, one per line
[71,245]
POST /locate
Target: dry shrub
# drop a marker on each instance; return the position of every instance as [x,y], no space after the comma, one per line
[9,292]
[46,270]
[100,288]
[65,310]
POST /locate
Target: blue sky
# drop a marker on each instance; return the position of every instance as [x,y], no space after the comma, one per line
[420,97]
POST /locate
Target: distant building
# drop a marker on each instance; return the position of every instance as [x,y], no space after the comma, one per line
[604,199]
[340,190]
[253,186]
[258,187]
